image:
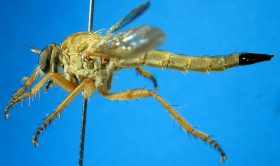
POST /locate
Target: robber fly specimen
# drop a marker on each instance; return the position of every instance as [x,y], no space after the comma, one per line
[87,60]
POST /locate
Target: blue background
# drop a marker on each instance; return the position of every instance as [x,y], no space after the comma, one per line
[240,107]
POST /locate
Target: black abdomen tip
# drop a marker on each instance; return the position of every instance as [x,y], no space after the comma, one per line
[251,58]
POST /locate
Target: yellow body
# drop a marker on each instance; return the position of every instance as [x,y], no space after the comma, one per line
[89,60]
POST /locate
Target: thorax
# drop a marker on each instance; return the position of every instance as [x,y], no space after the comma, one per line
[77,63]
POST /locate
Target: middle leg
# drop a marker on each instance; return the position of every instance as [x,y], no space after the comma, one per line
[87,86]
[148,75]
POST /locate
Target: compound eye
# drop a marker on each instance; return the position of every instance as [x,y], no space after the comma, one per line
[45,58]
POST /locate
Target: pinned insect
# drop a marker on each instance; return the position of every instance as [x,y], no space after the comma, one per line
[87,60]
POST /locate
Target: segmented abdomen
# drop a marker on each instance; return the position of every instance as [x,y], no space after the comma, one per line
[164,59]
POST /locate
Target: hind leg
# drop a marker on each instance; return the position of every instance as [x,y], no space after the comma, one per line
[142,93]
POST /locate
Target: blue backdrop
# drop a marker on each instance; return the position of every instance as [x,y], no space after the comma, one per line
[239,107]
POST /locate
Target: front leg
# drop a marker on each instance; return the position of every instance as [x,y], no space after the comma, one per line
[18,96]
[28,82]
[141,93]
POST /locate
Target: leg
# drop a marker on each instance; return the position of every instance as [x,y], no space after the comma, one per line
[148,75]
[83,86]
[28,82]
[141,93]
[65,84]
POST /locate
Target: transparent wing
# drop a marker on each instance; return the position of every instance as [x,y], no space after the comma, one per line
[130,17]
[129,43]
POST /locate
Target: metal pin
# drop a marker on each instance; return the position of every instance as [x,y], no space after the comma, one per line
[90,16]
[84,113]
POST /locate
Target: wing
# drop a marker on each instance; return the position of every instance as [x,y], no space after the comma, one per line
[129,43]
[130,17]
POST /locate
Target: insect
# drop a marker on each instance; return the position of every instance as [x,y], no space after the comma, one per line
[86,61]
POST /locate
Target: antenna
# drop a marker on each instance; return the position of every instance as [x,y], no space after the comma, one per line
[84,113]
